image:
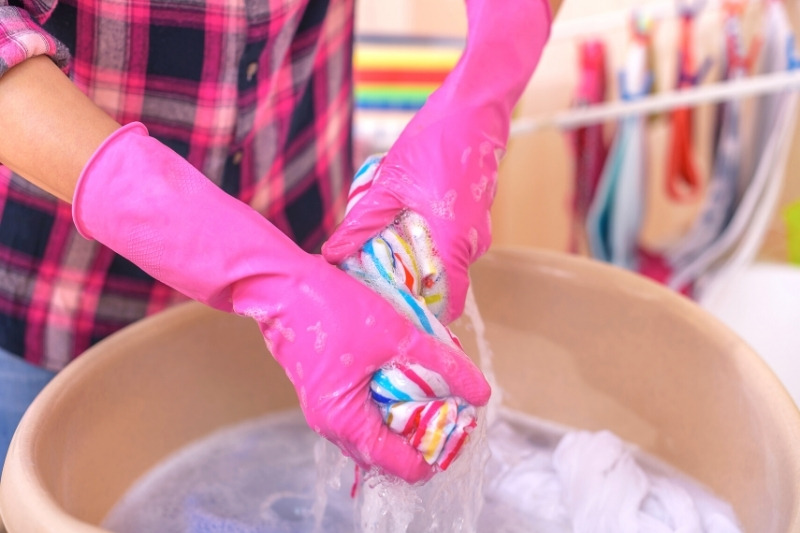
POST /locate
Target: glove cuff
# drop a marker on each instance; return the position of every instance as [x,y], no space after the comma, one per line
[81,201]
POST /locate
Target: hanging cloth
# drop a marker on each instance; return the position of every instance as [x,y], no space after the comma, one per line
[722,189]
[683,180]
[776,54]
[589,148]
[615,215]
[774,124]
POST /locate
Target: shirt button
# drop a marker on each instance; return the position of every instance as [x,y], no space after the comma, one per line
[252,68]
[237,158]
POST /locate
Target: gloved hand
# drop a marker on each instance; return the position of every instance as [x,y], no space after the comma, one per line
[328,331]
[444,164]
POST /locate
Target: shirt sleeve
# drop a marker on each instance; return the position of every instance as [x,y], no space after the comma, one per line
[21,38]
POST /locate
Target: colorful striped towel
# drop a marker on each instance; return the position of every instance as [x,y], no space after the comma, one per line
[400,74]
[401,265]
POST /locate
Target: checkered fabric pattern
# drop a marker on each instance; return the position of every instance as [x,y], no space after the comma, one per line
[256,94]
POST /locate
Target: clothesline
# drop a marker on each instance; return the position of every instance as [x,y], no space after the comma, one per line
[658,103]
[388,127]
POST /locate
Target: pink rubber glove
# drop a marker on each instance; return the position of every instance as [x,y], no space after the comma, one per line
[328,331]
[444,164]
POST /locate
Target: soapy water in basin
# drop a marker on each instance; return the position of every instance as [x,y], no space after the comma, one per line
[516,474]
[262,476]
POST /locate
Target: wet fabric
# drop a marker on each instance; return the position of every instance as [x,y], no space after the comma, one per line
[401,264]
[594,482]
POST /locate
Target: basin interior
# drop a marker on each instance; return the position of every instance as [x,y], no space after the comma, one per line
[574,341]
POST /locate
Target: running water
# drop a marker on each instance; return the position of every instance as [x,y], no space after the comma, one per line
[452,500]
[485,355]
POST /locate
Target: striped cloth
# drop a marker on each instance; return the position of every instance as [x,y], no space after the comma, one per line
[255,94]
[395,73]
[401,265]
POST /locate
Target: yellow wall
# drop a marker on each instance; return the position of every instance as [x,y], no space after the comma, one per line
[532,204]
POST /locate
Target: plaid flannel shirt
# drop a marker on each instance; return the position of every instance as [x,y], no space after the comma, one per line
[256,94]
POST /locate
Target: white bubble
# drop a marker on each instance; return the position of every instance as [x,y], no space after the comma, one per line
[473,242]
[465,155]
[444,208]
[479,188]
[320,336]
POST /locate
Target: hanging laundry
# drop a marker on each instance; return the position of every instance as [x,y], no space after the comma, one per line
[776,55]
[615,216]
[774,124]
[589,148]
[684,183]
[744,63]
[722,190]
[682,179]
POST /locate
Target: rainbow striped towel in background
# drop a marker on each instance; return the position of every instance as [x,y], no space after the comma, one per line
[399,73]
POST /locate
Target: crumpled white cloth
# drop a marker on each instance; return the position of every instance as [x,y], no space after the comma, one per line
[592,483]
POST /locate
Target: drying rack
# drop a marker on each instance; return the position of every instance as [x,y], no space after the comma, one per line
[657,103]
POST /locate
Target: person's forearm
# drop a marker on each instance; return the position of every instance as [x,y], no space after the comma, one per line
[48,128]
